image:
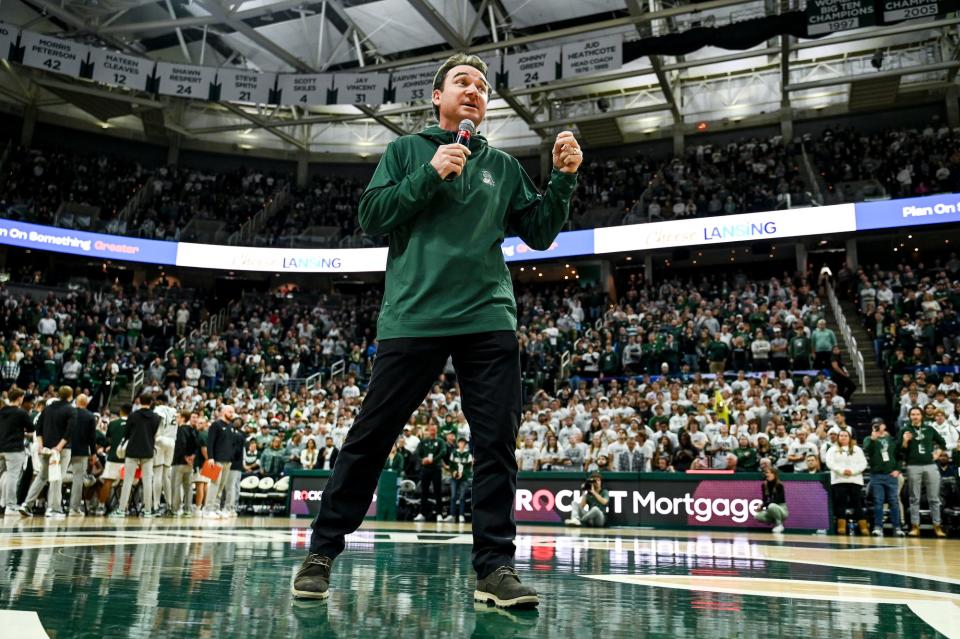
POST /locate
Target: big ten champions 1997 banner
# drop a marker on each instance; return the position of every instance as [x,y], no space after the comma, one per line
[676,500]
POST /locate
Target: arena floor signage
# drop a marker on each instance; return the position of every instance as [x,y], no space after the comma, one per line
[306,488]
[675,500]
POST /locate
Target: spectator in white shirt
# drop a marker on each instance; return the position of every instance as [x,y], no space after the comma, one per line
[47,326]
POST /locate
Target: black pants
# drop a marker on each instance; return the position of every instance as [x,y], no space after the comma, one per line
[847,496]
[488,369]
[821,359]
[431,477]
[845,385]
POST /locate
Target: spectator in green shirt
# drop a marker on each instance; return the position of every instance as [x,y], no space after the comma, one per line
[717,354]
[800,348]
[918,438]
[823,342]
[461,474]
[747,460]
[430,453]
[273,459]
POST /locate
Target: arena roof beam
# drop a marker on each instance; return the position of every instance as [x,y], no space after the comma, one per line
[199,21]
[338,9]
[522,112]
[439,24]
[636,11]
[351,24]
[217,10]
[477,20]
[94,90]
[214,7]
[559,33]
[286,137]
[78,23]
[653,108]
[784,70]
[847,79]
[877,32]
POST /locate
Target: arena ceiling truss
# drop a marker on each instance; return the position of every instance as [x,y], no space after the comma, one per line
[656,94]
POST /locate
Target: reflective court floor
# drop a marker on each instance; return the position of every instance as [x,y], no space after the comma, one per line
[198,578]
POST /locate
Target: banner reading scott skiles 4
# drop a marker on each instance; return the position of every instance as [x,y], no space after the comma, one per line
[687,501]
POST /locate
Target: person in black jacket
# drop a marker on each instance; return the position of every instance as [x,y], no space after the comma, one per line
[184,454]
[142,427]
[220,451]
[15,423]
[54,433]
[774,509]
[236,471]
[83,444]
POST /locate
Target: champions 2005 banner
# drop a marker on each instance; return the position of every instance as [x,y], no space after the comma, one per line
[675,500]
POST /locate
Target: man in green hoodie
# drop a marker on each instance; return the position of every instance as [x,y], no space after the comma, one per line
[918,438]
[446,208]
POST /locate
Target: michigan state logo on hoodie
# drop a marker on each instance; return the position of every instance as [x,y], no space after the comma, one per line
[487,178]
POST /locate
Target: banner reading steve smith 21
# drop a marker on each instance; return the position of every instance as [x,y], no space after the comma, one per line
[677,501]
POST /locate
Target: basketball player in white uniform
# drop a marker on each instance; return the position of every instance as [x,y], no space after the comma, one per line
[163,451]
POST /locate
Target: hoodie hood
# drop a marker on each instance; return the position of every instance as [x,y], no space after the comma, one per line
[442,136]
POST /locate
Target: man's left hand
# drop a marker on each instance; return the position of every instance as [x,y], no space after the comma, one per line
[567,155]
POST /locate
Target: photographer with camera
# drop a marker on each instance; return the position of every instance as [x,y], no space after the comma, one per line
[884,477]
[592,507]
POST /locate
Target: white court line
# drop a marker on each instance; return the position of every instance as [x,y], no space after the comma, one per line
[790,589]
[943,619]
[22,624]
[941,610]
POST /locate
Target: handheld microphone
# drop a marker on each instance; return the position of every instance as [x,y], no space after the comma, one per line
[464,132]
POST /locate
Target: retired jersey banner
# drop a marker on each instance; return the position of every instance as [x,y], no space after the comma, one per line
[8,38]
[53,54]
[242,85]
[306,89]
[414,83]
[185,80]
[599,55]
[361,88]
[529,68]
[110,67]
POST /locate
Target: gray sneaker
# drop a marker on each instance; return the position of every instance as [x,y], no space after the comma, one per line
[502,587]
[313,579]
